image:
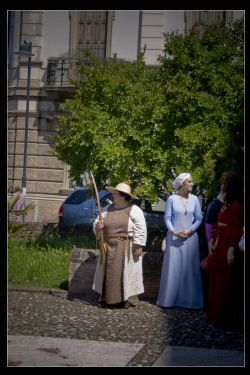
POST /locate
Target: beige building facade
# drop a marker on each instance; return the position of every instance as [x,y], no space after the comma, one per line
[56,37]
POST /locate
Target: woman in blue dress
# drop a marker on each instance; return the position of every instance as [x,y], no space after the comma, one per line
[181,282]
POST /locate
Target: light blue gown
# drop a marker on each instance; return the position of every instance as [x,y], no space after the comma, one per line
[181,283]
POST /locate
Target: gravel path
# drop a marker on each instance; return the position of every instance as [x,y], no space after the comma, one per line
[52,313]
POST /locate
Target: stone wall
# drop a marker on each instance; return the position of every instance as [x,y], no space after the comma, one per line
[45,210]
[82,267]
[81,270]
[35,230]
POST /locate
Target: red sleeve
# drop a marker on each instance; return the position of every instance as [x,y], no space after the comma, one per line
[234,223]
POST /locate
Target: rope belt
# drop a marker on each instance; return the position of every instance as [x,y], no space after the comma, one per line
[120,238]
[222,225]
[127,239]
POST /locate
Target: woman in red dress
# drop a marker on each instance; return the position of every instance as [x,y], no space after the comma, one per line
[222,248]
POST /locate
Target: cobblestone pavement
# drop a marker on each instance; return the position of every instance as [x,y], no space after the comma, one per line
[52,313]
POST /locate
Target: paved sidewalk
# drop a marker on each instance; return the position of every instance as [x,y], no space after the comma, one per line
[57,352]
[50,328]
[189,357]
[32,351]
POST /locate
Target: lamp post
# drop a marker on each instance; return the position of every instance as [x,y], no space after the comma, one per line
[26,50]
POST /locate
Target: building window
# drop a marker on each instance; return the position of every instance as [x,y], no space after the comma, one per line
[90,30]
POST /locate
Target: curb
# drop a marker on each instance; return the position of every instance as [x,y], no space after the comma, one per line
[37,290]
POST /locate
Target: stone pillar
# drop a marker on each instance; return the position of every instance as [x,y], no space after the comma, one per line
[81,270]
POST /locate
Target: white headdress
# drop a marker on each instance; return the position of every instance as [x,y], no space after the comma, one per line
[180,179]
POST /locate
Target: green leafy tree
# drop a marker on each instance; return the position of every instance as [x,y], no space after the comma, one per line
[203,78]
[111,126]
[129,122]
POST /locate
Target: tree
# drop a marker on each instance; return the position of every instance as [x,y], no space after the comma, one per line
[203,78]
[129,122]
[111,126]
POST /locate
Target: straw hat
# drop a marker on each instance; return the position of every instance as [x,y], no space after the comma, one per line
[123,188]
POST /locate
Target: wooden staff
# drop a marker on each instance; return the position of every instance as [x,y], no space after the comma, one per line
[102,244]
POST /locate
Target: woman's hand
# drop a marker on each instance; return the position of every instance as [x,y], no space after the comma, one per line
[183,233]
[230,255]
[186,232]
[137,249]
[177,234]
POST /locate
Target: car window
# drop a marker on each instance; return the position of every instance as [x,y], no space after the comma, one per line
[144,204]
[78,196]
[147,206]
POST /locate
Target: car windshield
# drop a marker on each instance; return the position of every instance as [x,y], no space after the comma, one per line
[103,193]
[82,195]
[78,196]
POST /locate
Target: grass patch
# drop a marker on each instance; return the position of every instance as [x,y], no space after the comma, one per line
[42,262]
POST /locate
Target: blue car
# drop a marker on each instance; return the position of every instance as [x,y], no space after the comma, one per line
[80,207]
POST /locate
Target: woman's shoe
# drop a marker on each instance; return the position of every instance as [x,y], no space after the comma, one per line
[101,304]
[127,305]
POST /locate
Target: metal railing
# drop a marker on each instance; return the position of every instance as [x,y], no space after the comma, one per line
[61,71]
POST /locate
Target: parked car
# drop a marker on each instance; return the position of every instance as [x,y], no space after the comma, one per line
[79,210]
[80,207]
